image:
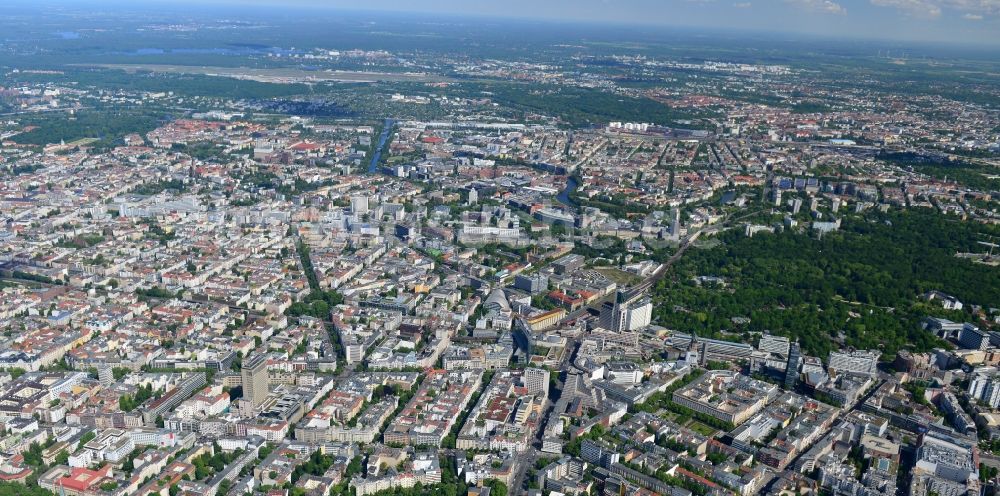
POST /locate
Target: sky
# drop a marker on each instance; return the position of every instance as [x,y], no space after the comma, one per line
[953,21]
[963,21]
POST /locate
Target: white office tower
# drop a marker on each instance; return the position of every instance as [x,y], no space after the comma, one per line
[639,314]
[255,379]
[675,224]
[985,386]
[105,374]
[626,314]
[359,205]
[536,380]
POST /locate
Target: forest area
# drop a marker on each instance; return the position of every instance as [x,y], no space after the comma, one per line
[857,287]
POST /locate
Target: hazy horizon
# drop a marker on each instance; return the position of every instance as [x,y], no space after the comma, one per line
[970,22]
[953,21]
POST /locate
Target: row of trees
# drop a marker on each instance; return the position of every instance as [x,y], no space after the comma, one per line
[129,402]
[206,465]
[451,439]
[319,301]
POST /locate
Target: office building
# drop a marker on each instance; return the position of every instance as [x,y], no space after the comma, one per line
[254,372]
[711,349]
[726,395]
[359,205]
[534,283]
[984,385]
[105,374]
[354,352]
[598,452]
[405,232]
[777,345]
[536,380]
[626,314]
[675,224]
[185,388]
[856,362]
[623,373]
[948,457]
[972,338]
[568,264]
[792,369]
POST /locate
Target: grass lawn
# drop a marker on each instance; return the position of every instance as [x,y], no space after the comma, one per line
[620,277]
[701,428]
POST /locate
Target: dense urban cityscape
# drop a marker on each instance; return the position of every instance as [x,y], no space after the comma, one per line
[416,258]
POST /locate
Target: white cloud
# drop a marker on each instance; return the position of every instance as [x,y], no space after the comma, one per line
[971,9]
[822,6]
[991,7]
[742,5]
[918,8]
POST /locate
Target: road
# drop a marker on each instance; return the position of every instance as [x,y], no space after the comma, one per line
[525,461]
